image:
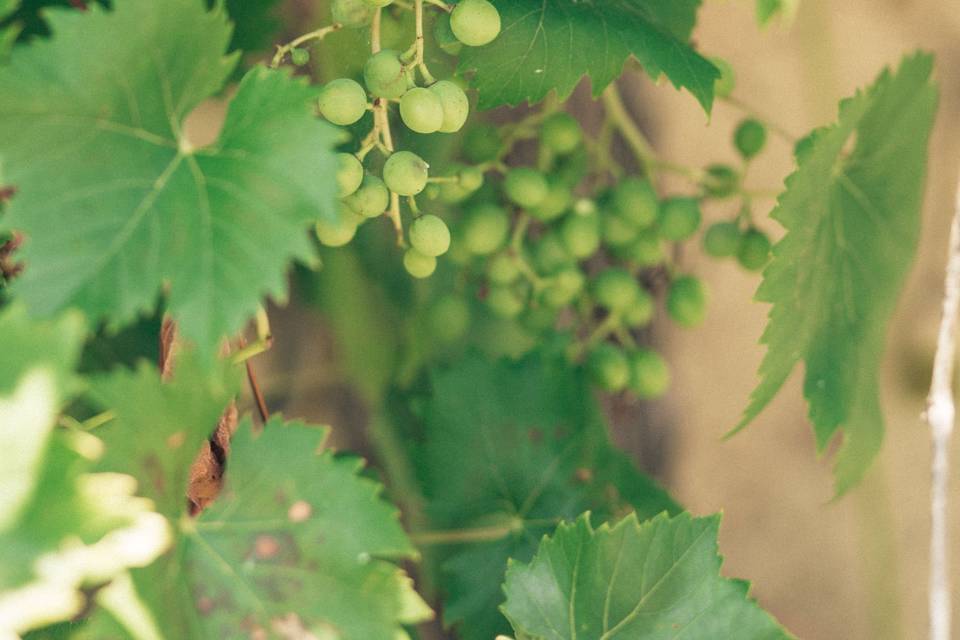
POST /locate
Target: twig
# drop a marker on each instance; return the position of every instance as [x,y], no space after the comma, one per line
[617,114]
[319,34]
[940,416]
[255,387]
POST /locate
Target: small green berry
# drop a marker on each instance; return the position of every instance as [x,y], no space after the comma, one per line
[750,138]
[608,367]
[687,301]
[419,265]
[722,239]
[679,218]
[754,251]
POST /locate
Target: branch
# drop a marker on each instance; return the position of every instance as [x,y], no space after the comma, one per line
[940,415]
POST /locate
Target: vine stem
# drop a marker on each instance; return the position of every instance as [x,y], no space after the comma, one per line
[617,114]
[940,416]
[319,34]
[381,124]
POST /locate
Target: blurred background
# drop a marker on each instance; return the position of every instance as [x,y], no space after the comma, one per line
[853,568]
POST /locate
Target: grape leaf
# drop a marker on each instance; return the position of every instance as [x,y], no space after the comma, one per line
[118,203]
[516,447]
[658,579]
[768,9]
[255,22]
[852,221]
[546,46]
[7,7]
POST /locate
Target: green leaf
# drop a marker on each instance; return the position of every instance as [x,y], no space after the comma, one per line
[254,23]
[121,203]
[516,448]
[546,46]
[7,7]
[51,345]
[852,220]
[659,579]
[768,9]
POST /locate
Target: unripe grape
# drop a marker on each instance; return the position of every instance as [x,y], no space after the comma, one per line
[617,232]
[340,230]
[754,251]
[421,110]
[505,302]
[444,37]
[555,204]
[475,22]
[750,138]
[539,318]
[550,254]
[721,181]
[454,103]
[727,81]
[722,239]
[371,199]
[635,200]
[484,229]
[349,174]
[687,301]
[526,187]
[640,313]
[585,207]
[471,178]
[649,374]
[384,75]
[608,367]
[342,101]
[405,173]
[430,236]
[419,265]
[563,288]
[561,133]
[679,218]
[351,13]
[482,143]
[645,251]
[503,269]
[581,235]
[299,57]
[448,318]
[615,289]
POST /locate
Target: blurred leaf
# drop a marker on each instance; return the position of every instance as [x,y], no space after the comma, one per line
[769,9]
[254,23]
[655,580]
[852,219]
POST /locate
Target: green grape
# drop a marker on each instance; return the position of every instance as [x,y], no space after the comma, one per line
[419,265]
[617,232]
[555,204]
[448,318]
[471,178]
[539,318]
[803,147]
[564,287]
[342,101]
[341,230]
[482,143]
[572,168]
[585,207]
[505,302]
[608,367]
[421,110]
[475,22]
[458,253]
[484,229]
[635,200]
[550,253]
[349,174]
[754,251]
[430,236]
[371,199]
[722,239]
[453,102]
[645,251]
[721,181]
[405,173]
[581,235]
[526,187]
[640,313]
[750,138]
[299,57]
[444,37]
[351,13]
[561,133]
[679,218]
[615,289]
[503,269]
[649,374]
[385,76]
[727,82]
[687,301]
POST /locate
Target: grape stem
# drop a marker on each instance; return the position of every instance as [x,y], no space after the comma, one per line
[617,113]
[780,131]
[319,34]
[418,61]
[478,534]
[516,253]
[441,5]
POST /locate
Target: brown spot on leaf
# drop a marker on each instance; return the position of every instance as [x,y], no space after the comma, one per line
[266,547]
[205,605]
[176,440]
[583,474]
[299,511]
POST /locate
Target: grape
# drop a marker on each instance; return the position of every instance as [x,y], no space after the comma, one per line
[679,218]
[371,199]
[482,143]
[561,133]
[475,22]
[526,187]
[640,313]
[505,301]
[454,104]
[557,202]
[299,57]
[503,269]
[405,173]
[585,207]
[687,301]
[564,287]
[722,239]
[443,35]
[727,81]
[421,110]
[581,235]
[384,75]
[608,367]
[351,13]
[340,230]
[430,236]
[471,178]
[349,174]
[754,252]
[539,318]
[448,318]
[485,229]
[750,138]
[649,374]
[617,232]
[635,200]
[419,265]
[342,101]
[645,251]
[550,253]
[721,181]
[615,289]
